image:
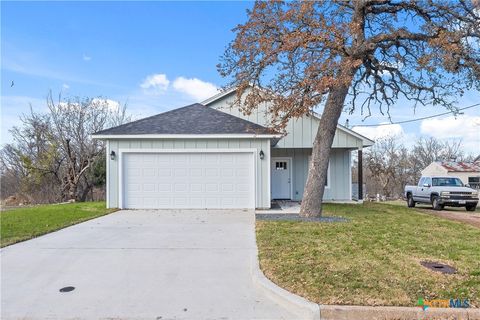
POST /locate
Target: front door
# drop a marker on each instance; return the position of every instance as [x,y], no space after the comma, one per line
[281,178]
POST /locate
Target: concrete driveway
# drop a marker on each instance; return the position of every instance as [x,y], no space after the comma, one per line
[139,264]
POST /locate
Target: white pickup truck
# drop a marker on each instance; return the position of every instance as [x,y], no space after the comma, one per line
[441,192]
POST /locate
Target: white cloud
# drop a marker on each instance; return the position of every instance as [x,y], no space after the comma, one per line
[464,127]
[65,86]
[86,58]
[113,105]
[388,130]
[155,83]
[195,88]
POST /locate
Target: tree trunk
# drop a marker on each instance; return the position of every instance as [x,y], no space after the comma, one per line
[318,168]
[84,193]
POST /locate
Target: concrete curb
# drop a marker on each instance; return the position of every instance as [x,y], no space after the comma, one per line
[333,312]
[296,304]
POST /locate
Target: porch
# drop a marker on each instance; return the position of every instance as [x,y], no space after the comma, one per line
[289,172]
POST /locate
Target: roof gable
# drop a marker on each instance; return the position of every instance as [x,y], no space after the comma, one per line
[193,119]
[307,124]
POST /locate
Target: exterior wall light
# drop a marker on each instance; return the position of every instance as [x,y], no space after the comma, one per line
[262,155]
[112,155]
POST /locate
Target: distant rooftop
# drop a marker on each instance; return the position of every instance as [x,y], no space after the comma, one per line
[453,166]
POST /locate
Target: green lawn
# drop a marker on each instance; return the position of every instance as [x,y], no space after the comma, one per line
[403,203]
[374,258]
[26,223]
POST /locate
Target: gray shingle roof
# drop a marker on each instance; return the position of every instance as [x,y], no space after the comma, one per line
[192,119]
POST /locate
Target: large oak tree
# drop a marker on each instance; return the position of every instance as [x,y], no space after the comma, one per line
[302,55]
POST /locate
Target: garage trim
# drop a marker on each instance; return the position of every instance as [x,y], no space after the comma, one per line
[137,150]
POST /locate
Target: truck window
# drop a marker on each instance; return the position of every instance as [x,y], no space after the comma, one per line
[428,181]
[420,183]
[447,182]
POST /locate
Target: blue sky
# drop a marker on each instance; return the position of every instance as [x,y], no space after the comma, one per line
[153,55]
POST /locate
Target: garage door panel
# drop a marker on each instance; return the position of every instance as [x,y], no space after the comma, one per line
[164,172]
[188,180]
[196,172]
[211,172]
[196,187]
[166,160]
[241,172]
[149,172]
[164,187]
[211,187]
[164,202]
[180,172]
[149,202]
[149,187]
[212,202]
[134,172]
[181,187]
[149,161]
[180,202]
[228,187]
[228,202]
[132,187]
[197,202]
[227,158]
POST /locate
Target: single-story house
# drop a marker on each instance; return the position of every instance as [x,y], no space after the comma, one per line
[210,155]
[468,172]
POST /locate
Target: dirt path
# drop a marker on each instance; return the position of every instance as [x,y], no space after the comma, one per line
[471,218]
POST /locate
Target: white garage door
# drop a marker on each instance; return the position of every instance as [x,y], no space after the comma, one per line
[188,180]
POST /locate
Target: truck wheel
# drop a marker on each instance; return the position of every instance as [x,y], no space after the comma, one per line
[471,207]
[436,203]
[410,202]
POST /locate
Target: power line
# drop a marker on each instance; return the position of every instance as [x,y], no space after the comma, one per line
[418,119]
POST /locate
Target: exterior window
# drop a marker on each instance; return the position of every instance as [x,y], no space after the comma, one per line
[447,182]
[420,183]
[280,165]
[474,182]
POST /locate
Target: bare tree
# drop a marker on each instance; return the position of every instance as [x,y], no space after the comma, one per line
[428,150]
[387,166]
[299,55]
[33,158]
[52,157]
[73,122]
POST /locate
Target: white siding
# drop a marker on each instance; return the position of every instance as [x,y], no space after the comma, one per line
[434,169]
[262,174]
[464,175]
[300,132]
[339,183]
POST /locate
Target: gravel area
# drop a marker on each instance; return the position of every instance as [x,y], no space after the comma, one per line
[296,217]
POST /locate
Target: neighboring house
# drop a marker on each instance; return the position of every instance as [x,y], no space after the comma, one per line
[468,172]
[211,156]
